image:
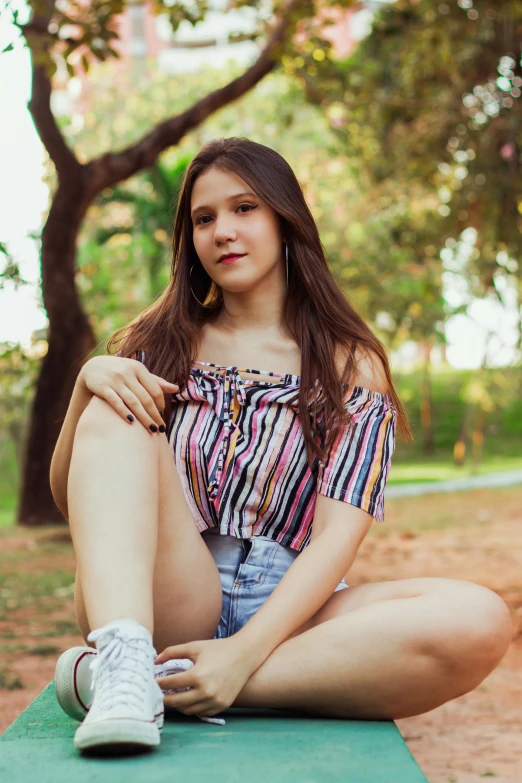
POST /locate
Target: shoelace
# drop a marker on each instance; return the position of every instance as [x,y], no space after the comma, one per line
[118,665]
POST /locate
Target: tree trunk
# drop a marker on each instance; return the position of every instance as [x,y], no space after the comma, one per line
[459,449]
[70,339]
[426,404]
[478,438]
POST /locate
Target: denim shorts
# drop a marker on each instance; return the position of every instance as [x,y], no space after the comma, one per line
[250,570]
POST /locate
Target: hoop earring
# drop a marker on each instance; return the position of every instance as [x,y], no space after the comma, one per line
[193,294]
[286,250]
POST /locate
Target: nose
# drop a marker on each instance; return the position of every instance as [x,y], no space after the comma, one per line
[224,230]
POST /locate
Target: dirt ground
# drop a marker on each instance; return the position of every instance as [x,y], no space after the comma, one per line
[473,536]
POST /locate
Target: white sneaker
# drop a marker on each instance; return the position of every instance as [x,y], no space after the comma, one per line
[127,700]
[73,678]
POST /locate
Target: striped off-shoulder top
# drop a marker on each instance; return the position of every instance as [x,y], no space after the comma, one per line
[239,449]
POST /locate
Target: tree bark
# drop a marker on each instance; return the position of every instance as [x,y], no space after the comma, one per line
[477,438]
[70,336]
[459,449]
[426,402]
[70,339]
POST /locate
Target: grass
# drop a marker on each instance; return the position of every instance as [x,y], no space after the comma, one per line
[44,590]
[503,426]
[7,508]
[44,650]
[439,470]
[9,682]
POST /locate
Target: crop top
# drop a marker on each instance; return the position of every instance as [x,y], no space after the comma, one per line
[240,452]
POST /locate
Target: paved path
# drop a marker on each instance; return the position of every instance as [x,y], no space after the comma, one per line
[505,479]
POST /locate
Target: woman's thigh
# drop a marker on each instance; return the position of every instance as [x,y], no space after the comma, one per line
[474,604]
[186,584]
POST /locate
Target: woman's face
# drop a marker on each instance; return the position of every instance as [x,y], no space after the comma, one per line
[228,217]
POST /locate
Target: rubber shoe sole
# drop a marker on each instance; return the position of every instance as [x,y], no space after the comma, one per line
[116,731]
[67,691]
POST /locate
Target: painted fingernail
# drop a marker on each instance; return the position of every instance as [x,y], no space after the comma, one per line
[153,427]
[130,418]
[162,428]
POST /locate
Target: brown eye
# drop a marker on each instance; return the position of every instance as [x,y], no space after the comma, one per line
[250,207]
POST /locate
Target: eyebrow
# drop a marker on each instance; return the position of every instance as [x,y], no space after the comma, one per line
[229,198]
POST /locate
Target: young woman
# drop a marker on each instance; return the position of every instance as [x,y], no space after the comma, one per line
[222,539]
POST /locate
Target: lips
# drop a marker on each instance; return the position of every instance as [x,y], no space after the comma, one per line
[229,259]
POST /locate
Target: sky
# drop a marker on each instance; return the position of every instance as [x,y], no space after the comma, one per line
[24,200]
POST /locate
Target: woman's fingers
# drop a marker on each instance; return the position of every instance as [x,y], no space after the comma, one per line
[143,394]
[141,404]
[116,402]
[166,385]
[133,391]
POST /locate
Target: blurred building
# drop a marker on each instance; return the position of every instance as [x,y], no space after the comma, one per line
[223,35]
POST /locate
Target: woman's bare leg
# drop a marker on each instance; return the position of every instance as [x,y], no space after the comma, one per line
[139,552]
[390,650]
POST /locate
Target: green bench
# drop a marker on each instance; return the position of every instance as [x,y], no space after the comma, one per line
[255,745]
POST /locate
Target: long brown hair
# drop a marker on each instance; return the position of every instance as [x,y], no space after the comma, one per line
[316,312]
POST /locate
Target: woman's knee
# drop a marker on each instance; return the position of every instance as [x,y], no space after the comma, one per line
[97,417]
[477,630]
[496,625]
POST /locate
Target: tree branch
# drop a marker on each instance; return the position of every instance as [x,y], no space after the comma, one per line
[110,168]
[40,108]
[205,42]
[52,138]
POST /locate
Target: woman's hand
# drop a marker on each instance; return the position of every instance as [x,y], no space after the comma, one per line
[221,669]
[128,387]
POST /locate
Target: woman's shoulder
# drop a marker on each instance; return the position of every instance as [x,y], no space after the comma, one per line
[369,370]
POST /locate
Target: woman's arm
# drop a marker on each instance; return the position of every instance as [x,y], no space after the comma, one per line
[308,583]
[338,529]
[61,459]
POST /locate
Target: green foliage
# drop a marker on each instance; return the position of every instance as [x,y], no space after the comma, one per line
[151,211]
[11,270]
[43,591]
[428,106]
[10,682]
[18,373]
[456,394]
